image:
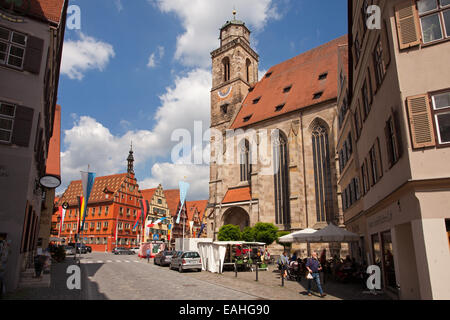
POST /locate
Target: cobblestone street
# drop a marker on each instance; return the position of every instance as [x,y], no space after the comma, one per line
[123,277]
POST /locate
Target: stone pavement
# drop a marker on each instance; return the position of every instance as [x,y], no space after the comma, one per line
[269,286]
[57,289]
[109,277]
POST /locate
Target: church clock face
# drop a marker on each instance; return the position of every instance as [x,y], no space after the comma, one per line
[223,94]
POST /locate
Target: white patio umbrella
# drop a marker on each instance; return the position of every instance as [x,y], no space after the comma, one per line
[298,236]
[333,233]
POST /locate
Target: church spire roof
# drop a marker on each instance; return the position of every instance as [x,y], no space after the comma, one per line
[130,160]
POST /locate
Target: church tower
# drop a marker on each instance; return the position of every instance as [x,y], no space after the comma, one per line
[130,160]
[234,72]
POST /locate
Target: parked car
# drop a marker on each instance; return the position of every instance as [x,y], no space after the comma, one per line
[69,250]
[89,249]
[185,261]
[163,258]
[81,248]
[135,250]
[123,251]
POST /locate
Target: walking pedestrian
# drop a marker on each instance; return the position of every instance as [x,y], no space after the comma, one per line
[313,266]
[148,255]
[283,263]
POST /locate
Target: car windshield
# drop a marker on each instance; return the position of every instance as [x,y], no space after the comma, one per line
[191,255]
[168,253]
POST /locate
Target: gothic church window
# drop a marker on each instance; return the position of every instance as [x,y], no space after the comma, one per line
[226,69]
[322,173]
[281,178]
[245,160]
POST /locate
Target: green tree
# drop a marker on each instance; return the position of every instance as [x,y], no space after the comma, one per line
[229,232]
[265,232]
[248,234]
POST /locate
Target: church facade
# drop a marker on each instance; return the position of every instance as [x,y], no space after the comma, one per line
[273,141]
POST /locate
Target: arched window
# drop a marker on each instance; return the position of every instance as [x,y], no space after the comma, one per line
[322,173]
[248,69]
[245,161]
[281,178]
[226,69]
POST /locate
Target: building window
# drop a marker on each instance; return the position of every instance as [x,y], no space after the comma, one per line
[379,63]
[226,69]
[441,110]
[322,174]
[245,159]
[106,211]
[365,177]
[248,69]
[393,142]
[373,165]
[99,225]
[434,19]
[388,260]
[317,95]
[281,177]
[121,211]
[105,224]
[365,98]
[12,48]
[93,211]
[7,114]
[128,212]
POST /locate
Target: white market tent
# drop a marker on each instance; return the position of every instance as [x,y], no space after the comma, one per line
[213,253]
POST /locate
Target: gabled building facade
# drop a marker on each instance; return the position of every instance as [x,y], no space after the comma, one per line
[158,209]
[31,40]
[395,179]
[112,210]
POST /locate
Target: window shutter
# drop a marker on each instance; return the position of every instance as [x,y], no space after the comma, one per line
[408,28]
[22,126]
[385,45]
[33,55]
[420,121]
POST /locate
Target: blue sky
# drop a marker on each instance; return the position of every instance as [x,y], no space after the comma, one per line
[139,69]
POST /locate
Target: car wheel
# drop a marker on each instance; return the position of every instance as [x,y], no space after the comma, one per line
[180,269]
[199,270]
[154,262]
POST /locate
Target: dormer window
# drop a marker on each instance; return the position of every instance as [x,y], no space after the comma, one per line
[287,89]
[318,95]
[268,75]
[323,76]
[255,101]
[279,108]
[247,119]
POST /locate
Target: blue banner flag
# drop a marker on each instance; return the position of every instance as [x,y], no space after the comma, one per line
[184,187]
[87,180]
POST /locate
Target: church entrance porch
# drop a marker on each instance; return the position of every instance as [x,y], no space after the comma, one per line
[236,216]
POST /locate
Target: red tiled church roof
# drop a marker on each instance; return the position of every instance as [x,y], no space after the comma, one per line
[237,195]
[301,74]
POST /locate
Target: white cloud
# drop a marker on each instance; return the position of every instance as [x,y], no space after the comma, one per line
[156,57]
[201,20]
[169,174]
[119,5]
[87,53]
